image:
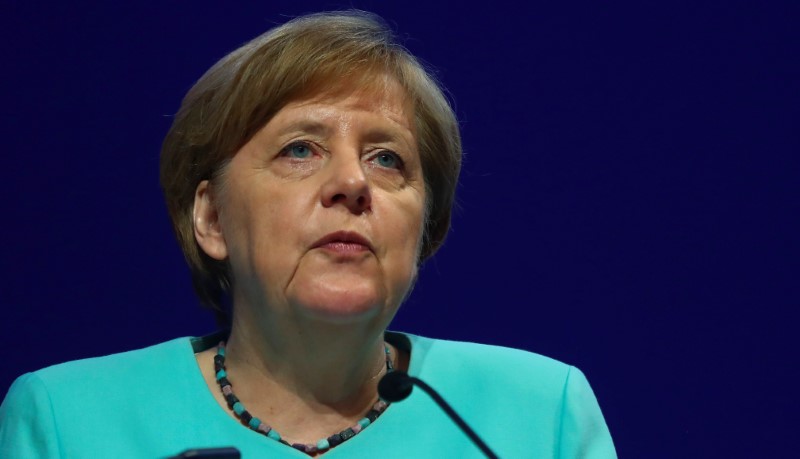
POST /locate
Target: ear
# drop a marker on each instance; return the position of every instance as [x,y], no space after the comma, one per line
[207,228]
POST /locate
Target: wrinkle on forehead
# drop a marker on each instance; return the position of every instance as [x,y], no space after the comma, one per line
[380,93]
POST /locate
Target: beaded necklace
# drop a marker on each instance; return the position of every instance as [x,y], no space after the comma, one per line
[257,425]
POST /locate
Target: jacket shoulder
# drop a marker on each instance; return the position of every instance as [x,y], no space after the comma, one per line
[107,374]
[488,365]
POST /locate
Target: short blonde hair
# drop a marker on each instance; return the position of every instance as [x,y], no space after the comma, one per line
[246,88]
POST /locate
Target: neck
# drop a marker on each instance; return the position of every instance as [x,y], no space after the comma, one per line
[318,365]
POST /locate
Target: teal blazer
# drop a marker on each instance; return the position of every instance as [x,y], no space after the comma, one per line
[154,403]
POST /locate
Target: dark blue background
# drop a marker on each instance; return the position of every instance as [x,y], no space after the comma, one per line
[629,199]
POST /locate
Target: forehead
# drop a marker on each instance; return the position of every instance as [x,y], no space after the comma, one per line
[382,95]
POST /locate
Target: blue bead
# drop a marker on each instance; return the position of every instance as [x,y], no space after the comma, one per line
[221,351]
[364,422]
[254,423]
[274,435]
[323,444]
[221,374]
[238,408]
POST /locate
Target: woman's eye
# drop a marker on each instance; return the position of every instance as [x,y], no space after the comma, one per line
[297,150]
[388,160]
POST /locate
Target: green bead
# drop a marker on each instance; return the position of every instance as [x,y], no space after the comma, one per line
[238,408]
[273,434]
[254,423]
[221,374]
[323,444]
[364,422]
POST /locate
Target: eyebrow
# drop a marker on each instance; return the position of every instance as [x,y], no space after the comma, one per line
[380,135]
[321,129]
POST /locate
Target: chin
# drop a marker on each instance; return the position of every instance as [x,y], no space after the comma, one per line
[342,295]
[341,306]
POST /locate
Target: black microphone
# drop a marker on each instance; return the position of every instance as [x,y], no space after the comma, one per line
[397,385]
[209,453]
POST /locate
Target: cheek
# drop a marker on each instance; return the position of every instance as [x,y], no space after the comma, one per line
[279,226]
[262,232]
[405,231]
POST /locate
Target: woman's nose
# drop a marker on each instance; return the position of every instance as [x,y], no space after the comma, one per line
[347,185]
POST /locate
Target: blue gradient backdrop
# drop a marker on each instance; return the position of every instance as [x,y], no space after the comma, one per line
[629,201]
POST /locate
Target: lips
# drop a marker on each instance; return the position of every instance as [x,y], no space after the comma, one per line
[344,241]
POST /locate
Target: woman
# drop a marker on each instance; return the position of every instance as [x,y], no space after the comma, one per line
[307,174]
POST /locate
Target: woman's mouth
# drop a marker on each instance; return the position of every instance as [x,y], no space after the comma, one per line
[344,242]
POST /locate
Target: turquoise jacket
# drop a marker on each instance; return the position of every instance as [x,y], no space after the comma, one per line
[154,403]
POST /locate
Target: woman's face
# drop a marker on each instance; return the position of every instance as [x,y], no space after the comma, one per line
[321,213]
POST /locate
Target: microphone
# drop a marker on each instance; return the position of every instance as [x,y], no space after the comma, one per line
[209,453]
[397,385]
